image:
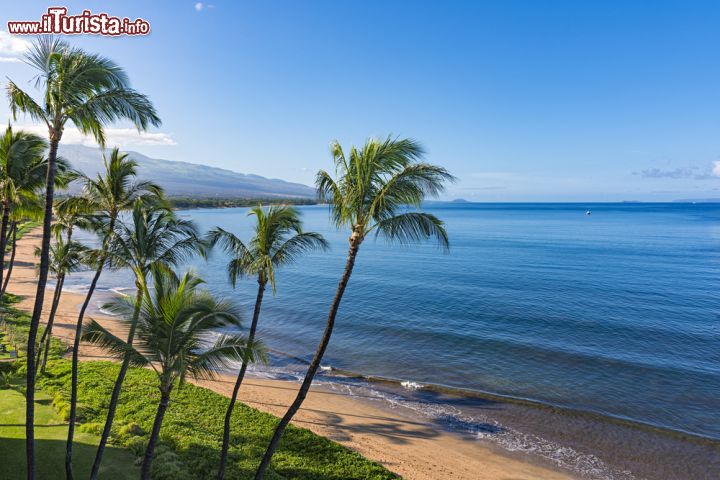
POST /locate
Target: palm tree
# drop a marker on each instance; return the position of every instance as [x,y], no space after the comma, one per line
[277,240]
[110,193]
[29,209]
[65,256]
[11,262]
[374,191]
[23,169]
[171,329]
[153,237]
[89,91]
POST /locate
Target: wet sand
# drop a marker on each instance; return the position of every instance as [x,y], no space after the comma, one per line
[406,446]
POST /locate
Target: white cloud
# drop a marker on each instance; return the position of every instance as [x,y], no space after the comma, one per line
[121,137]
[12,47]
[716,168]
[199,6]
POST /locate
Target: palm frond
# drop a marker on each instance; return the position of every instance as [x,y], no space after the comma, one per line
[112,105]
[297,245]
[412,227]
[22,102]
[98,335]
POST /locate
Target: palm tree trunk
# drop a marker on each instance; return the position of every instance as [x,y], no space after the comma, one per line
[37,309]
[238,382]
[51,320]
[3,238]
[45,333]
[76,352]
[315,363]
[147,460]
[116,393]
[12,259]
[53,309]
[48,327]
[74,377]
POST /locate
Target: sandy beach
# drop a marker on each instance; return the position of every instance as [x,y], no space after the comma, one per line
[412,449]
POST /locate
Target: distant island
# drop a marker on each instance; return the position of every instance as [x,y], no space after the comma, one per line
[697,200]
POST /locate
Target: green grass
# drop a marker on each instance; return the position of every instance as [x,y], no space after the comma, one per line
[190,439]
[50,434]
[192,431]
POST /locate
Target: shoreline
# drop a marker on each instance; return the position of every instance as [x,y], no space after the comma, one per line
[411,448]
[532,403]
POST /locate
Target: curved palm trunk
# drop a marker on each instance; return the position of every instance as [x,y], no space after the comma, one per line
[37,309]
[51,318]
[116,392]
[47,335]
[74,376]
[76,353]
[315,363]
[147,460]
[4,238]
[238,382]
[53,309]
[12,259]
[43,339]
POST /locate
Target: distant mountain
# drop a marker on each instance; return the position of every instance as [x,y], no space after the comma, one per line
[182,179]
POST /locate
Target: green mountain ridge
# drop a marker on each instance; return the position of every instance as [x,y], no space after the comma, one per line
[184,179]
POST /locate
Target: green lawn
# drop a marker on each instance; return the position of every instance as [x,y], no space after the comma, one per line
[190,438]
[50,434]
[192,432]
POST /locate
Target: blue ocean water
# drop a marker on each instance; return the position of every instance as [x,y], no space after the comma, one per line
[616,313]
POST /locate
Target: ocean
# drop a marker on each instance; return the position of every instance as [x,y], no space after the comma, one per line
[589,341]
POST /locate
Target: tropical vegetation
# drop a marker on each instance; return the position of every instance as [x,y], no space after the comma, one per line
[171,328]
[374,189]
[278,239]
[89,91]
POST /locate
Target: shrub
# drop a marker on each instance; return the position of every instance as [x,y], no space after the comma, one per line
[130,430]
[94,428]
[136,445]
[191,435]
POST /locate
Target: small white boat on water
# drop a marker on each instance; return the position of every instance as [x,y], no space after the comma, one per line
[588,212]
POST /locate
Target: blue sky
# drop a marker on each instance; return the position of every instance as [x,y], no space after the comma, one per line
[522,100]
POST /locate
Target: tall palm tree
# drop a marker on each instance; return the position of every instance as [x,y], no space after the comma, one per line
[65,256]
[374,191]
[153,237]
[91,92]
[277,240]
[113,191]
[23,169]
[171,329]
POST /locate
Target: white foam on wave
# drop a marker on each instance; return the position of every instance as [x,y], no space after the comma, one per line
[81,288]
[275,373]
[120,291]
[485,428]
[407,384]
[104,311]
